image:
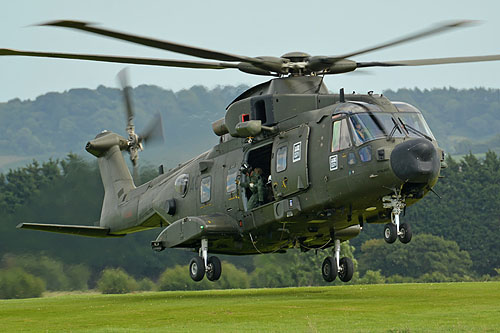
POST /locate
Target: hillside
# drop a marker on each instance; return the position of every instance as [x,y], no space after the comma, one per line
[57,123]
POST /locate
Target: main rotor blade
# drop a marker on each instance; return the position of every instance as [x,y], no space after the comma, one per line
[159,44]
[122,60]
[431,61]
[425,33]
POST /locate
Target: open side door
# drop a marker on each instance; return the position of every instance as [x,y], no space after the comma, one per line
[289,162]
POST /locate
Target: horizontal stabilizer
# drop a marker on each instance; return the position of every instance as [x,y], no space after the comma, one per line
[80,230]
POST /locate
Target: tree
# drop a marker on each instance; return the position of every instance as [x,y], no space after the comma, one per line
[425,254]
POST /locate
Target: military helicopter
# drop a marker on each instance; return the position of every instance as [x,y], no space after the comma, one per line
[295,167]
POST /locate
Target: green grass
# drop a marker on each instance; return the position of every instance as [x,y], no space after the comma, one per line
[446,307]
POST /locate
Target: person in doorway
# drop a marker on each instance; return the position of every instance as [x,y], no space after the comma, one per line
[256,186]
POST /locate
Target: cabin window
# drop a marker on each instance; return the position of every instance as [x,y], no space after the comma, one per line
[281,159]
[181,184]
[231,180]
[340,136]
[205,188]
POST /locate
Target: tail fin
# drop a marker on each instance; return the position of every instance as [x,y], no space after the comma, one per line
[115,175]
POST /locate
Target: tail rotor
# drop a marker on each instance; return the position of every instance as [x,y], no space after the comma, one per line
[152,134]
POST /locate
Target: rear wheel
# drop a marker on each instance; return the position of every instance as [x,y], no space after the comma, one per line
[197,269]
[329,269]
[346,269]
[214,268]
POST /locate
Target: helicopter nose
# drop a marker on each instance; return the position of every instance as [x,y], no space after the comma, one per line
[415,161]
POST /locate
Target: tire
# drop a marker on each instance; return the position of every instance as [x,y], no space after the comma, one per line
[390,233]
[197,269]
[346,269]
[329,269]
[406,233]
[214,268]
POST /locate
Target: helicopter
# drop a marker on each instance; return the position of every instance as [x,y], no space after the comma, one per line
[295,167]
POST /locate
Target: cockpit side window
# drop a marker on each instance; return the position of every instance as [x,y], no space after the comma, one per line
[340,135]
[365,127]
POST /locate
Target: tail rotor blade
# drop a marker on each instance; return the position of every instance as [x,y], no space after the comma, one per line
[124,84]
[153,132]
[135,173]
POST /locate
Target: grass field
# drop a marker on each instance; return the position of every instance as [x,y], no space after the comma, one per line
[446,307]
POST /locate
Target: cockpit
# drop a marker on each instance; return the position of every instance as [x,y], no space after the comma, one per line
[368,122]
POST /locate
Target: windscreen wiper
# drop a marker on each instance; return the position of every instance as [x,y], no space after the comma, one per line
[393,130]
[408,128]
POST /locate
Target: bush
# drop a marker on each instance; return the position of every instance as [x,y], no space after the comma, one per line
[78,277]
[232,277]
[116,281]
[372,277]
[17,283]
[178,278]
[425,254]
[146,285]
[399,279]
[49,270]
[434,277]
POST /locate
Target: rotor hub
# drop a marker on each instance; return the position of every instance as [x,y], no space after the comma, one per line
[296,56]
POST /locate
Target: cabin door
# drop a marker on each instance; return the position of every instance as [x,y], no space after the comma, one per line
[289,162]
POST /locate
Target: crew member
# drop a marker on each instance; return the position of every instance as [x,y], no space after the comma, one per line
[256,185]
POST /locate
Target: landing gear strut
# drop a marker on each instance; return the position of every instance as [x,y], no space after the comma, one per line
[202,264]
[333,266]
[394,230]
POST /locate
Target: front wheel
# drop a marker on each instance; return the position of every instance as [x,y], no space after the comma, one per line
[390,233]
[405,233]
[329,269]
[197,269]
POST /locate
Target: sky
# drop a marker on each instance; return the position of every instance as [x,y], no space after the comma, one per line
[251,28]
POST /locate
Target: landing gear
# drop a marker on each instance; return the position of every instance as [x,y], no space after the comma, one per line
[333,266]
[394,230]
[201,265]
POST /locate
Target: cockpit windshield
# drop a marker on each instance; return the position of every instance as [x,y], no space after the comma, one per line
[412,120]
[415,124]
[370,126]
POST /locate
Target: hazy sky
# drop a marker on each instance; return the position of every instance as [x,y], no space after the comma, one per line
[251,28]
